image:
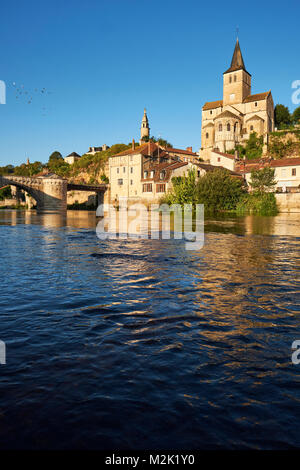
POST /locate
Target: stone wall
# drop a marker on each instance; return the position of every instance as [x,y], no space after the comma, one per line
[288,202]
[81,197]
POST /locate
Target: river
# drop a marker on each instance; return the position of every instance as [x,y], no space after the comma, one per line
[141,344]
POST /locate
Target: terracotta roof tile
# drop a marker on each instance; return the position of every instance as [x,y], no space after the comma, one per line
[257,97]
[212,105]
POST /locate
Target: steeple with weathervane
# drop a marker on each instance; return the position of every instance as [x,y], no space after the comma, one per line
[236,79]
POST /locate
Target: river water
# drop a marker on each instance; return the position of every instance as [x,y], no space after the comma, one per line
[141,344]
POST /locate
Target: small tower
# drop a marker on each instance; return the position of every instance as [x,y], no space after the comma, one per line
[236,80]
[145,129]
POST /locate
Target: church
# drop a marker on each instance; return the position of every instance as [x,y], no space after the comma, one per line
[230,121]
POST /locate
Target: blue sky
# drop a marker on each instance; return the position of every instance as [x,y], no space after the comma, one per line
[86,69]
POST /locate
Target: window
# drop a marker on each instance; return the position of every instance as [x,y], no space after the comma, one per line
[219,159]
[131,169]
[207,135]
[160,188]
[152,174]
[228,127]
[255,103]
[232,96]
[283,172]
[198,173]
[124,169]
[230,79]
[120,182]
[131,182]
[294,171]
[162,174]
[118,170]
[211,112]
[147,188]
[145,174]
[220,127]
[251,128]
[234,78]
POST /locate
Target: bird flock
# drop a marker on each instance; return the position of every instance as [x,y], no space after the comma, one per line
[27,96]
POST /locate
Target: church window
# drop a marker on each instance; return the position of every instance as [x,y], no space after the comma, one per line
[228,127]
[207,135]
[220,128]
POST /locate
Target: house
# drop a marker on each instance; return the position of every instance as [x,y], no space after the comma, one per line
[143,173]
[224,160]
[287,171]
[93,150]
[72,158]
[183,155]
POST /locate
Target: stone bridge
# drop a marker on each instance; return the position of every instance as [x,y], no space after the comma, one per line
[49,191]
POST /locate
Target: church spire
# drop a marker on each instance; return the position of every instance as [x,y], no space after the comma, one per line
[145,129]
[237,62]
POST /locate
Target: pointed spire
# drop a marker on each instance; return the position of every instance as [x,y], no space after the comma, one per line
[237,62]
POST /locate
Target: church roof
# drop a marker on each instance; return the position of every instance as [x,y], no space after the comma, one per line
[227,114]
[212,105]
[237,62]
[257,97]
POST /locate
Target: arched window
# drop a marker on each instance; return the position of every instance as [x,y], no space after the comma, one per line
[207,135]
[220,127]
[228,127]
[251,128]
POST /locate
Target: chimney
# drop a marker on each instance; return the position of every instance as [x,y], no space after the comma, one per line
[133,144]
[189,149]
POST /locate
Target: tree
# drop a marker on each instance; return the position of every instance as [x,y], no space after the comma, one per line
[55,156]
[296,116]
[254,146]
[263,181]
[282,116]
[160,141]
[219,191]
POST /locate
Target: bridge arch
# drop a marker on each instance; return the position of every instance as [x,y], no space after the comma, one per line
[49,191]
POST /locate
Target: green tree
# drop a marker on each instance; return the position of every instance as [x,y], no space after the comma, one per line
[219,191]
[5,193]
[254,147]
[160,141]
[296,116]
[282,116]
[263,181]
[55,156]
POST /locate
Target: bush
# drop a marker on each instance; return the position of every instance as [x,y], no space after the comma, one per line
[257,204]
[219,191]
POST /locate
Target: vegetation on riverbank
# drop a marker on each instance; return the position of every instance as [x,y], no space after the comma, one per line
[219,191]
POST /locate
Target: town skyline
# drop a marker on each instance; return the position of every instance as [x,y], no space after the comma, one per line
[87,97]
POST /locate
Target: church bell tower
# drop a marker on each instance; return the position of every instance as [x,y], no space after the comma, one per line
[236,80]
[145,129]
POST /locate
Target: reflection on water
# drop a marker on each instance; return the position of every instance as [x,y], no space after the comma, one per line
[131,344]
[283,224]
